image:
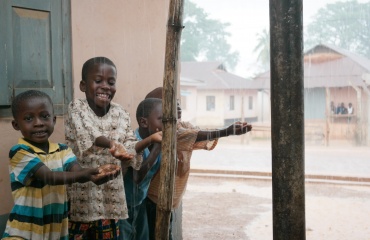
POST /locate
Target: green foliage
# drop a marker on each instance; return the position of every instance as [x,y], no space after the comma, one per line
[263,49]
[343,24]
[205,39]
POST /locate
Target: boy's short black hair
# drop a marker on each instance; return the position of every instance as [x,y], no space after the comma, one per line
[155,93]
[92,61]
[24,96]
[146,106]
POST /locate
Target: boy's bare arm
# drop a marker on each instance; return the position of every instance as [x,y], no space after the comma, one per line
[238,128]
[116,149]
[119,151]
[77,174]
[139,175]
[146,142]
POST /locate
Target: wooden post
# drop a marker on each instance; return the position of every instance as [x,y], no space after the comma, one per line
[328,114]
[242,139]
[287,119]
[359,133]
[169,158]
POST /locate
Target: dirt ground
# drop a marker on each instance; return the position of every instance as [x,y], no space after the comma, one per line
[226,208]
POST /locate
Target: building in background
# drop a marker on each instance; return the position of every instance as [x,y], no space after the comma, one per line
[212,97]
[332,74]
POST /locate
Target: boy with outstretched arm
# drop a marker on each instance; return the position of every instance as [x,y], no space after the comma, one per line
[149,118]
[189,138]
[99,132]
[39,170]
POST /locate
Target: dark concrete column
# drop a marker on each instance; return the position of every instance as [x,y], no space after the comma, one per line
[287,119]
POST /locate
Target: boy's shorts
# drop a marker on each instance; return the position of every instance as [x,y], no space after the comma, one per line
[99,229]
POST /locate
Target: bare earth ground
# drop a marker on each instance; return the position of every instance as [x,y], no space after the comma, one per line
[220,207]
[226,208]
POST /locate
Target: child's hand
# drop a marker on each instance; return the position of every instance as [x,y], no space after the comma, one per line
[119,151]
[239,128]
[106,173]
[156,137]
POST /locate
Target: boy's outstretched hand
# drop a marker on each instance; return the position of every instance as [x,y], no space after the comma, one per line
[106,173]
[119,151]
[239,128]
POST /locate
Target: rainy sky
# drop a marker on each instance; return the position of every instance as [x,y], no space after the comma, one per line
[247,19]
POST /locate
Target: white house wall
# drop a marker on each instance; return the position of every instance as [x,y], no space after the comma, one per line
[240,109]
[210,118]
[264,106]
[189,103]
[196,113]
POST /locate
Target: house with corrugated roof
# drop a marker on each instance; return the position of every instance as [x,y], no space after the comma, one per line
[332,76]
[213,97]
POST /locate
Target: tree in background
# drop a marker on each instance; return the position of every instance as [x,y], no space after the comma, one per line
[343,24]
[263,49]
[205,39]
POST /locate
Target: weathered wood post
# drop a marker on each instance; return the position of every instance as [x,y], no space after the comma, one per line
[328,116]
[168,162]
[287,119]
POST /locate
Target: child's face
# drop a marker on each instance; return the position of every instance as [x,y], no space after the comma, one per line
[35,120]
[100,87]
[155,119]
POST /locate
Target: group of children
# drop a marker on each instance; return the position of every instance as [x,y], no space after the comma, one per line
[103,183]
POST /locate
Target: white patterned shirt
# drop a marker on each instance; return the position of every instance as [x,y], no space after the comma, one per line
[90,202]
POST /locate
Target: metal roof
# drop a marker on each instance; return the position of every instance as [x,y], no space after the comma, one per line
[327,66]
[211,75]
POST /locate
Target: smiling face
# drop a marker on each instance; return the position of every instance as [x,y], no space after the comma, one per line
[35,119]
[100,87]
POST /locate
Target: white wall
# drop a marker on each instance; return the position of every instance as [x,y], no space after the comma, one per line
[210,119]
[264,106]
[190,107]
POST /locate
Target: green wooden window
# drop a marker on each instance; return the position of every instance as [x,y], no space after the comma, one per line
[35,50]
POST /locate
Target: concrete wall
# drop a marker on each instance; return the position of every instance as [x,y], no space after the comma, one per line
[132,34]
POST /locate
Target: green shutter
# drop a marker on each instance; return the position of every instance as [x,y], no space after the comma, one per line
[36,50]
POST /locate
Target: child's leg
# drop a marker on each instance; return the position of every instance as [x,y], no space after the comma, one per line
[136,225]
[126,231]
[151,209]
[141,222]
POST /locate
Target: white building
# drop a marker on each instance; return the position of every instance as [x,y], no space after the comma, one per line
[212,97]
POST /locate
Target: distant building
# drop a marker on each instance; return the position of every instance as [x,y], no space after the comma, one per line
[332,74]
[212,97]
